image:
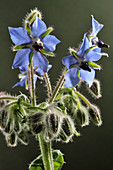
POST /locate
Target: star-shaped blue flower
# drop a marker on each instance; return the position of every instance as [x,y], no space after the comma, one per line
[96,28]
[33,43]
[38,74]
[79,61]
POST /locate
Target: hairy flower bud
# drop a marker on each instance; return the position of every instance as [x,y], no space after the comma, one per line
[95,115]
[36,128]
[95,89]
[3,119]
[23,138]
[35,118]
[53,123]
[82,116]
[70,104]
[11,139]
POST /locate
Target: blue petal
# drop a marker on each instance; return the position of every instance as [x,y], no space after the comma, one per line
[84,46]
[96,27]
[35,79]
[50,42]
[92,55]
[23,69]
[71,78]
[21,82]
[21,58]
[40,72]
[38,28]
[40,61]
[19,35]
[88,76]
[69,61]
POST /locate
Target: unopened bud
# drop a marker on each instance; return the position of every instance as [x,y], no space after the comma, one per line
[11,139]
[70,104]
[53,123]
[3,119]
[95,89]
[36,118]
[95,115]
[37,128]
[68,126]
[22,136]
[82,116]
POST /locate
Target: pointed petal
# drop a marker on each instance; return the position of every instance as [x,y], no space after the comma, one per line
[84,46]
[19,35]
[40,61]
[71,78]
[92,55]
[22,58]
[96,27]
[40,72]
[21,82]
[69,61]
[23,69]
[50,42]
[38,28]
[88,76]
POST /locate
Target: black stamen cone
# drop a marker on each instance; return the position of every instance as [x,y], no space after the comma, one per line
[85,66]
[37,46]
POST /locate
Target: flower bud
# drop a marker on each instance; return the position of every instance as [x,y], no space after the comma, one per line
[22,136]
[3,119]
[36,128]
[35,118]
[82,116]
[70,104]
[53,123]
[95,89]
[68,126]
[95,115]
[11,139]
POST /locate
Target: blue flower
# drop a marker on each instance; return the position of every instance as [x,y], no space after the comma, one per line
[79,61]
[38,74]
[96,28]
[35,42]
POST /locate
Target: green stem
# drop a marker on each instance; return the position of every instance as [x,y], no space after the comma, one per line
[8,98]
[44,146]
[58,86]
[48,84]
[82,97]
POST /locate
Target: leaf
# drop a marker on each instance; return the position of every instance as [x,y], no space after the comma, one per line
[58,161]
[49,30]
[94,65]
[46,53]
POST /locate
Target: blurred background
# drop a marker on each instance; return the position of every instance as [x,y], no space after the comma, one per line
[93,150]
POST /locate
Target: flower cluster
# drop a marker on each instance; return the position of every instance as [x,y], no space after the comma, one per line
[80,63]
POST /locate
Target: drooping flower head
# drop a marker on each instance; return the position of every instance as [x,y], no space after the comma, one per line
[96,28]
[80,64]
[24,76]
[36,41]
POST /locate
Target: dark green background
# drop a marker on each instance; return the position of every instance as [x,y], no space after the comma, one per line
[70,19]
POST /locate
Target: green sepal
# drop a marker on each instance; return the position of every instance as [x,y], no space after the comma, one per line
[30,58]
[48,31]
[28,27]
[94,65]
[58,161]
[18,47]
[46,53]
[91,48]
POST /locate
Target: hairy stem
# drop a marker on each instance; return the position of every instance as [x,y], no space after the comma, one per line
[58,86]
[45,147]
[48,84]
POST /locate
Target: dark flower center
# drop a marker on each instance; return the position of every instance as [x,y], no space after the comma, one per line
[37,45]
[85,66]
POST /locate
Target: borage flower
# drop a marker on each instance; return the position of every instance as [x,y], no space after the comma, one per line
[96,28]
[80,64]
[24,76]
[38,42]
